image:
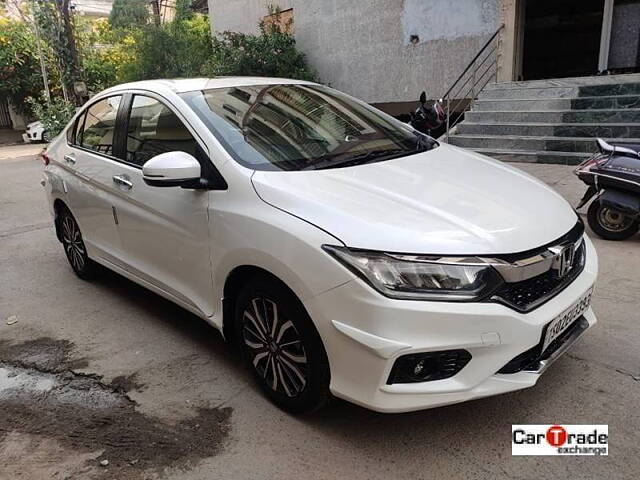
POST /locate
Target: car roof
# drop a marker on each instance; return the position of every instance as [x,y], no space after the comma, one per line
[181,85]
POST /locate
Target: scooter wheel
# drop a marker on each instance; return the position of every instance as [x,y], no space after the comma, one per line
[609,223]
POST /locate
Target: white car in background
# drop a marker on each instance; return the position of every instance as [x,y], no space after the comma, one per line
[344,252]
[35,133]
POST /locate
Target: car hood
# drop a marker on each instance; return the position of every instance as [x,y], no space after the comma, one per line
[444,201]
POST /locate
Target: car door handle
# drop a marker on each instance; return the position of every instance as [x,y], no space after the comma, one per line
[123,181]
[70,159]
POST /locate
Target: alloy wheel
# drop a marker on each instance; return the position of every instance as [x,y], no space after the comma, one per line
[275,347]
[73,244]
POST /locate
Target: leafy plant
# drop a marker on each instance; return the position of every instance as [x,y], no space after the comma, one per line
[54,114]
[271,53]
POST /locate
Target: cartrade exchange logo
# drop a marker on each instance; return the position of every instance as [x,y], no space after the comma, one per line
[560,440]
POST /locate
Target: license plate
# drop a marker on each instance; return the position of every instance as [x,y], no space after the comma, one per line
[566,318]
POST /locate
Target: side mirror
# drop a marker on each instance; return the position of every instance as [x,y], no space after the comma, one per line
[423,98]
[172,169]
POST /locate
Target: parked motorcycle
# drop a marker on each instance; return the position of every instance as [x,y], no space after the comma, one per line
[427,118]
[613,177]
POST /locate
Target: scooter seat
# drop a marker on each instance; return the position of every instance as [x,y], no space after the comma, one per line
[632,146]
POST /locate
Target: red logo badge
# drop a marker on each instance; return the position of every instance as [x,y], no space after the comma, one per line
[556,436]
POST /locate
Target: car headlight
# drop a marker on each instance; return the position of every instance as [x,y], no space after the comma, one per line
[417,277]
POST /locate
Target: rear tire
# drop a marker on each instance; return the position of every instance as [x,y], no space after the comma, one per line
[74,247]
[281,346]
[609,223]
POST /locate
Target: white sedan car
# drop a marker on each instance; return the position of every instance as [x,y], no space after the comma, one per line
[35,133]
[345,253]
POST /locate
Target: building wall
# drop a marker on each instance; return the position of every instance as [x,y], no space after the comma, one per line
[364,47]
[93,8]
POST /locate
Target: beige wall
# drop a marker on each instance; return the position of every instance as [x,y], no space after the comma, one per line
[363,47]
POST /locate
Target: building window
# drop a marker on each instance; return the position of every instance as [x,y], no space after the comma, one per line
[282,19]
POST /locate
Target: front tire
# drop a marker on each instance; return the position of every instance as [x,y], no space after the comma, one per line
[281,346]
[74,247]
[609,223]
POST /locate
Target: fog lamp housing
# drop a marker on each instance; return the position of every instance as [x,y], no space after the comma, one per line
[428,366]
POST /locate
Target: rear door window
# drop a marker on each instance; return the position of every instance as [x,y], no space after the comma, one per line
[97,130]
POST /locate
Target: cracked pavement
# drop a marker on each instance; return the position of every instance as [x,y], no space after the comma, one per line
[172,365]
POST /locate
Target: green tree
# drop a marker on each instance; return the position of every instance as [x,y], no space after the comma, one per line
[127,14]
[20,75]
[180,48]
[103,52]
[53,18]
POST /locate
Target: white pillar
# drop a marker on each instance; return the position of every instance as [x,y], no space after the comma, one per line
[17,119]
[510,40]
[605,36]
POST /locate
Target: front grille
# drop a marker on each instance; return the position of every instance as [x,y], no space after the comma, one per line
[529,360]
[528,294]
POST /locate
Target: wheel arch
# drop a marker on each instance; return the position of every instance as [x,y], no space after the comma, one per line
[235,280]
[58,206]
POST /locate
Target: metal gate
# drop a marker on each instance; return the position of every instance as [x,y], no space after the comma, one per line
[5,118]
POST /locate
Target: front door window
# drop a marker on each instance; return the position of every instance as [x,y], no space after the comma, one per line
[155,129]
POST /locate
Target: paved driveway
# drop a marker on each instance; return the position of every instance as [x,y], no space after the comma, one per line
[9,153]
[170,400]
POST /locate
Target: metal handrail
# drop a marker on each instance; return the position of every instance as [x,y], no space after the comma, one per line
[477,82]
[474,77]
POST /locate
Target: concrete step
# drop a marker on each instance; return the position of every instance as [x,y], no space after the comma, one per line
[606,101]
[575,103]
[569,81]
[528,92]
[607,130]
[560,91]
[515,142]
[607,90]
[551,121]
[556,116]
[562,158]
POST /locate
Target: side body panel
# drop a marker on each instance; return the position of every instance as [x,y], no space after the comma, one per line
[165,237]
[247,231]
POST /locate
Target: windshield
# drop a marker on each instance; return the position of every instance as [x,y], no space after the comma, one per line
[302,127]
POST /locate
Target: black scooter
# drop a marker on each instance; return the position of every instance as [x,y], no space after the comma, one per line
[613,177]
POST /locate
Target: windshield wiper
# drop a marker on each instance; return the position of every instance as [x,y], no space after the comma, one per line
[357,159]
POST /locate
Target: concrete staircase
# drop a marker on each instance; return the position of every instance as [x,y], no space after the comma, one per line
[551,121]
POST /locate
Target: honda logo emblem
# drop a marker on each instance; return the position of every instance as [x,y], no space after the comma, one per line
[563,259]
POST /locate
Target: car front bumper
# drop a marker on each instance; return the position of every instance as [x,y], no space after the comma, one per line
[364,333]
[31,136]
